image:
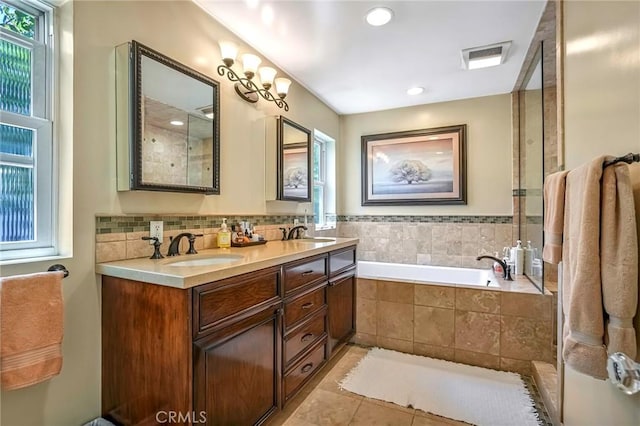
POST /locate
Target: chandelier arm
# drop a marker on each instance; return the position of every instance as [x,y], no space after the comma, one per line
[251,87]
[269,97]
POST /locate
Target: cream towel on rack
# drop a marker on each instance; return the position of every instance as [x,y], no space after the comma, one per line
[634,174]
[554,191]
[31,316]
[583,332]
[619,259]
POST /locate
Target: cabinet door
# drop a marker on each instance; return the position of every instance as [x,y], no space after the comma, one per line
[236,371]
[341,314]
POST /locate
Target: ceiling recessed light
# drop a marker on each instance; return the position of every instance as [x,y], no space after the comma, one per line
[176,123]
[415,90]
[379,16]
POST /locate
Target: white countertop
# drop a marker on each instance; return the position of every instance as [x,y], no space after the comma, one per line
[160,271]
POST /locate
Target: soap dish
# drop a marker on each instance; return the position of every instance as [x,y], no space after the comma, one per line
[248,243]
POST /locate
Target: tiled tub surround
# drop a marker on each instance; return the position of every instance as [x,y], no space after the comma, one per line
[120,237]
[500,329]
[428,240]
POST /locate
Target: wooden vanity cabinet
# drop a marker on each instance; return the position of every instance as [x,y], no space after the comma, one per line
[234,350]
[341,298]
[236,357]
[236,371]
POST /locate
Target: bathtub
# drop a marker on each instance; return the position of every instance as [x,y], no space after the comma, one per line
[427,274]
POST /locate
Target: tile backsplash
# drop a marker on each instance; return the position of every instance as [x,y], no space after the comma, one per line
[428,240]
[120,237]
[416,239]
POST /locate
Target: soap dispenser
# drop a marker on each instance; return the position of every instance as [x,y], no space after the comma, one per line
[528,258]
[224,236]
[519,258]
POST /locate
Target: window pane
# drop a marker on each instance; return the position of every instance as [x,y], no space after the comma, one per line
[16,140]
[317,152]
[16,198]
[17,21]
[15,78]
[317,204]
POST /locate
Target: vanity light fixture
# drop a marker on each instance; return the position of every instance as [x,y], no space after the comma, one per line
[176,123]
[245,87]
[379,16]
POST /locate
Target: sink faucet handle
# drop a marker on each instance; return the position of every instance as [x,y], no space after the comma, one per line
[192,240]
[299,231]
[284,233]
[156,247]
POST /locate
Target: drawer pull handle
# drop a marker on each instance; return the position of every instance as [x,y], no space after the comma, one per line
[307,305]
[307,337]
[307,273]
[306,367]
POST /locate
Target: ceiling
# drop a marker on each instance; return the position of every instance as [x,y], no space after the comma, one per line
[328,47]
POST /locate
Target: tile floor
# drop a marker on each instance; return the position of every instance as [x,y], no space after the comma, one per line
[322,402]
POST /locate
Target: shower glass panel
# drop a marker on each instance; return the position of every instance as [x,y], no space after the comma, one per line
[532,170]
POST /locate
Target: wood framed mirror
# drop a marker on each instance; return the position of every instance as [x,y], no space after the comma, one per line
[168,124]
[293,161]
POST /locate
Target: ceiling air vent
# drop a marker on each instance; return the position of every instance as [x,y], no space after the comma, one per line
[485,56]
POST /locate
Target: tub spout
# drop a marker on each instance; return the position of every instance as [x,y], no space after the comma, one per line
[506,268]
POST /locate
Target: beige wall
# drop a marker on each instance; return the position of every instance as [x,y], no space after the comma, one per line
[488,121]
[602,116]
[182,31]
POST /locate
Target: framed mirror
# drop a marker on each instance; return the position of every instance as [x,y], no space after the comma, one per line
[294,161]
[532,169]
[168,124]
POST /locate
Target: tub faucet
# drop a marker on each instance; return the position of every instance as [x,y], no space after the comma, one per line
[506,268]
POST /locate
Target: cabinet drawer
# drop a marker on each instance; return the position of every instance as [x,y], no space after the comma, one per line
[303,370]
[342,260]
[304,305]
[304,336]
[215,303]
[299,274]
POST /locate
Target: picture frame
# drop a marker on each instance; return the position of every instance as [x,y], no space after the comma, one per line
[415,167]
[295,171]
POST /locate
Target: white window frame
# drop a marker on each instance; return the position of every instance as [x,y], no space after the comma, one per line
[326,181]
[40,121]
[320,221]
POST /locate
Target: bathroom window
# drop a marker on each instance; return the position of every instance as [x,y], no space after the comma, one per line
[324,181]
[26,130]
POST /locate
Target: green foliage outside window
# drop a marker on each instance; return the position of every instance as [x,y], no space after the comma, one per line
[17,21]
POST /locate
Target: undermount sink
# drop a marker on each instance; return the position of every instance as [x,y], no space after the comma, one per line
[314,240]
[216,259]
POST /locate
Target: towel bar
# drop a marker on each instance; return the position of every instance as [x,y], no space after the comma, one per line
[629,158]
[59,267]
[624,373]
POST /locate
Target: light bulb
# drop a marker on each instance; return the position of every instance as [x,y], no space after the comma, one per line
[282,87]
[267,74]
[250,64]
[228,51]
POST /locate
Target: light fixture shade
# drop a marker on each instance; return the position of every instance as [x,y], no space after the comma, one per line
[250,64]
[267,74]
[228,51]
[282,87]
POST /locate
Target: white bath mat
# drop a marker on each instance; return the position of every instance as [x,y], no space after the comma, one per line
[471,394]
